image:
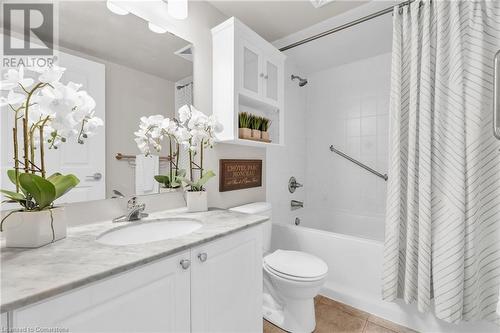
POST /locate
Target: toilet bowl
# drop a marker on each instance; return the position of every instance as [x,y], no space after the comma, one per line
[294,278]
[291,280]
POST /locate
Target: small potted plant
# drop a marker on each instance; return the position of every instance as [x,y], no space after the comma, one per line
[196,196]
[244,120]
[202,131]
[264,128]
[46,112]
[256,122]
[39,222]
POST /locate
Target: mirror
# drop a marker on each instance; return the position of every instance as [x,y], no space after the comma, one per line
[129,75]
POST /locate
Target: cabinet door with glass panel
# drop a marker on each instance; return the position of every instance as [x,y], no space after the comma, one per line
[251,71]
[272,71]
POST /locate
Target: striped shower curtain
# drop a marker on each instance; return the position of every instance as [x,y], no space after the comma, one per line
[442,244]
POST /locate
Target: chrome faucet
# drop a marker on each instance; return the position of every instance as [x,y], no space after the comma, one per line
[294,204]
[135,212]
[293,184]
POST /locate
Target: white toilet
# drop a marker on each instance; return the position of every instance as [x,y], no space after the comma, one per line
[291,280]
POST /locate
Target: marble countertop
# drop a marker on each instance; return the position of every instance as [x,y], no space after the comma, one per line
[31,275]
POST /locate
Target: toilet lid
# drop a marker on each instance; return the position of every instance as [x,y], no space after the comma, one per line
[296,263]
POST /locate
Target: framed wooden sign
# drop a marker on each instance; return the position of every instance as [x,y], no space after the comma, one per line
[239,174]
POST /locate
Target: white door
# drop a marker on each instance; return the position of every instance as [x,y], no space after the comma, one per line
[226,284]
[154,298]
[86,161]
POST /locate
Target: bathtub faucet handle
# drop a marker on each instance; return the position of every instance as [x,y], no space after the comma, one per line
[293,184]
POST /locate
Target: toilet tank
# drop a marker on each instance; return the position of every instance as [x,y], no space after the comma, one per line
[263,209]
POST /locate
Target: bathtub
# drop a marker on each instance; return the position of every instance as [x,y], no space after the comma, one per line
[354,277]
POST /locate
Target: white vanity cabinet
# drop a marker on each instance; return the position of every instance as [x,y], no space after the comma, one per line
[248,76]
[152,298]
[226,284]
[215,287]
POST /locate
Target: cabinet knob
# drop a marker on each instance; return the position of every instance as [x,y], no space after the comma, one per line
[265,77]
[261,74]
[203,257]
[185,263]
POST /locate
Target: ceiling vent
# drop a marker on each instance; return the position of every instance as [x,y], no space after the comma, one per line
[186,52]
[320,3]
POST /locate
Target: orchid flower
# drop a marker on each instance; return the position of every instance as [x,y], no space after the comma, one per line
[14,99]
[14,78]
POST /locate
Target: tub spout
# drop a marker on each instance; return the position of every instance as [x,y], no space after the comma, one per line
[294,204]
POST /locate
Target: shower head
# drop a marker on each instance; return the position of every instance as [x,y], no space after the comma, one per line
[302,82]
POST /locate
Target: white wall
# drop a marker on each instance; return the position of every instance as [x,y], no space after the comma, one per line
[347,107]
[196,29]
[290,160]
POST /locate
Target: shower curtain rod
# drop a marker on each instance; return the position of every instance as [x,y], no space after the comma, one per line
[345,26]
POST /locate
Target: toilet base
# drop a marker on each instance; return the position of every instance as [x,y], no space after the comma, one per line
[294,316]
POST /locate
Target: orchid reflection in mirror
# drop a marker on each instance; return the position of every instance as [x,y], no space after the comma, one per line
[195,131]
[172,181]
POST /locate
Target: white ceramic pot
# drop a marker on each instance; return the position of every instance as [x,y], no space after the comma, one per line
[35,229]
[197,201]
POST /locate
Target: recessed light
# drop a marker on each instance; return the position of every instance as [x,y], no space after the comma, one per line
[178,9]
[116,9]
[156,28]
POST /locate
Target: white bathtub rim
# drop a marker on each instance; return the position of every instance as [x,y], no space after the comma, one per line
[335,234]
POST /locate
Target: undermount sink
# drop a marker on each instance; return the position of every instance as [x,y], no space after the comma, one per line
[151,231]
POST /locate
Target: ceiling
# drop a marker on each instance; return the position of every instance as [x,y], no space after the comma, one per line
[368,39]
[89,27]
[276,19]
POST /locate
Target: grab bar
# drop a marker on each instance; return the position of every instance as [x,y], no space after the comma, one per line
[496,96]
[366,167]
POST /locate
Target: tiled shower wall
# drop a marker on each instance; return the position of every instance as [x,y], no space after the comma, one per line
[347,106]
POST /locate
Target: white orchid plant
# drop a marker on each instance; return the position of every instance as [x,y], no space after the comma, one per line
[193,130]
[46,112]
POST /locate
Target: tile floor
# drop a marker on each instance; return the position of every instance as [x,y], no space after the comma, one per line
[336,317]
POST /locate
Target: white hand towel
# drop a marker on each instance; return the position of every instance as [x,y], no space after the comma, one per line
[146,167]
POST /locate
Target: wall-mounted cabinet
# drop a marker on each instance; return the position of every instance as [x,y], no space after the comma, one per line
[248,76]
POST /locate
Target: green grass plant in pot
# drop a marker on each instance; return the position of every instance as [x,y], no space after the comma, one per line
[47,113]
[244,120]
[256,122]
[264,128]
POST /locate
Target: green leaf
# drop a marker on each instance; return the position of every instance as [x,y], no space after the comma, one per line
[12,176]
[198,185]
[42,191]
[54,176]
[63,183]
[164,180]
[13,195]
